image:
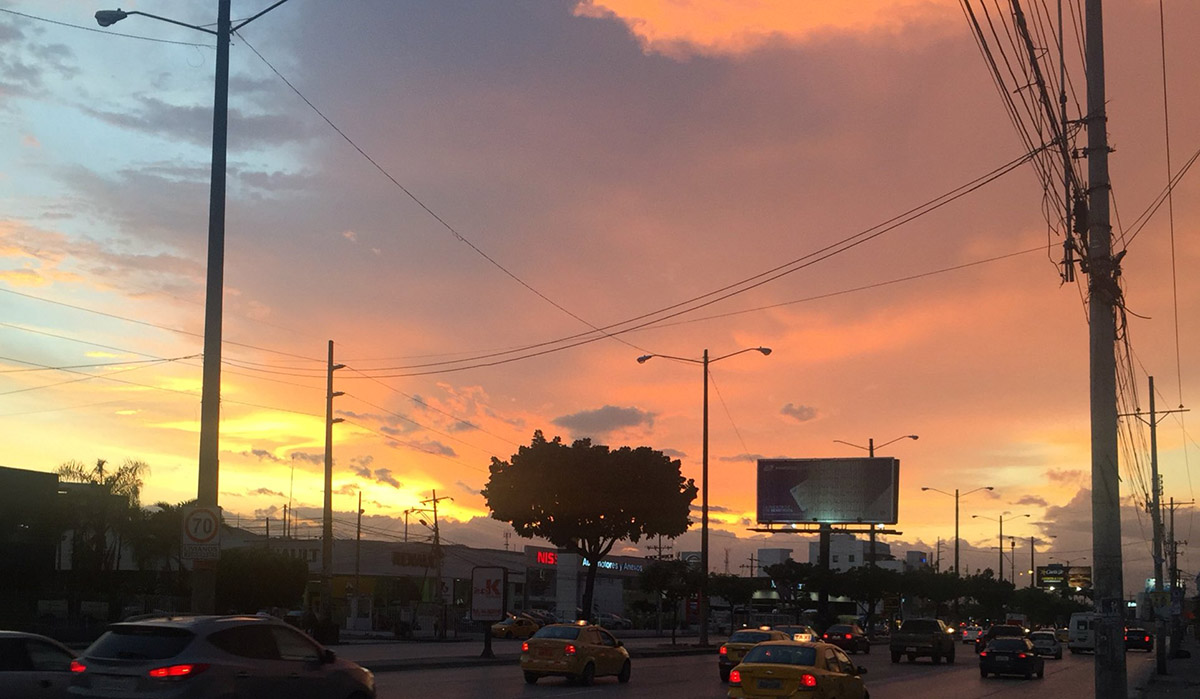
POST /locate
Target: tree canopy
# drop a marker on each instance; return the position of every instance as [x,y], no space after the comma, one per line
[586,497]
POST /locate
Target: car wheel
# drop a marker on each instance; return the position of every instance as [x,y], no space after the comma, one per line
[1028,675]
[895,657]
[867,649]
[531,678]
[588,674]
[937,659]
[1058,655]
[623,675]
[912,658]
[1041,672]
[982,673]
[724,675]
[950,658]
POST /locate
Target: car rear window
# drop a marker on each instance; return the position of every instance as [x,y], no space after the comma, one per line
[1006,630]
[1042,636]
[784,655]
[749,637]
[140,643]
[1007,644]
[920,626]
[568,632]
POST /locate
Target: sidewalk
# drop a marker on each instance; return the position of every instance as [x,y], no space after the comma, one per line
[1182,678]
[466,651]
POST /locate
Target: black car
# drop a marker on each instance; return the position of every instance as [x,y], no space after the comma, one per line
[848,637]
[1011,656]
[1137,637]
[999,631]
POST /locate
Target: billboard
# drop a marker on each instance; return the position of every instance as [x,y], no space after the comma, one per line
[829,491]
[1056,577]
[488,588]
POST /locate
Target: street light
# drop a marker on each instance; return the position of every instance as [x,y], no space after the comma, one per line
[956,496]
[204,580]
[704,362]
[870,449]
[1001,562]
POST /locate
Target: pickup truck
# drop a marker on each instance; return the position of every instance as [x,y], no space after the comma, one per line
[923,638]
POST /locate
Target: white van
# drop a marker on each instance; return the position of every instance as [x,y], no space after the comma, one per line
[1081,634]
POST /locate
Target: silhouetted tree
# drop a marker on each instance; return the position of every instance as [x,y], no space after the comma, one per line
[99,515]
[673,580]
[736,590]
[585,497]
[249,579]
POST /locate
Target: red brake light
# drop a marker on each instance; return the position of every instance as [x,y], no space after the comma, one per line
[570,649]
[723,651]
[1146,639]
[525,647]
[1022,655]
[983,654]
[735,677]
[824,635]
[808,680]
[77,666]
[178,671]
[849,636]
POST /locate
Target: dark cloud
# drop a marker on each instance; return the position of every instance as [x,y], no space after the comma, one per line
[1034,500]
[348,489]
[361,471]
[193,123]
[309,458]
[602,421]
[432,446]
[267,491]
[1059,475]
[674,453]
[743,457]
[384,475]
[262,455]
[799,413]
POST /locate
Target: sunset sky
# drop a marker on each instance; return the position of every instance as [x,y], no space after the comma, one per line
[492,209]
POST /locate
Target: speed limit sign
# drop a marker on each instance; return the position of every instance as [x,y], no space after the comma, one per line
[201,535]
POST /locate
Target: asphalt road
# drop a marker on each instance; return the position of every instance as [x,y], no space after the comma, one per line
[696,676]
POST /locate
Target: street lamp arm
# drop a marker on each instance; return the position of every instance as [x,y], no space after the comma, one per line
[109,17]
[856,446]
[937,491]
[903,436]
[766,351]
[647,357]
[982,487]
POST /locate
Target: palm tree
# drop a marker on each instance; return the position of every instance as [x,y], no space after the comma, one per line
[99,513]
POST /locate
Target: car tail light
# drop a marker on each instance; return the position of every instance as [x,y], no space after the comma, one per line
[849,636]
[735,678]
[1022,655]
[824,635]
[808,680]
[983,654]
[173,672]
[723,651]
[570,649]
[77,666]
[1146,639]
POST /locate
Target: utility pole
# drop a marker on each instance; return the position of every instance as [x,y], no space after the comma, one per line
[437,552]
[1156,520]
[358,546]
[327,521]
[753,567]
[285,521]
[1104,295]
[1032,568]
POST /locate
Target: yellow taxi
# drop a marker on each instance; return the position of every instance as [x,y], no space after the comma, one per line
[515,627]
[579,652]
[739,642]
[812,670]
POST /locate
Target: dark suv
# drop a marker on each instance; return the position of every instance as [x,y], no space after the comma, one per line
[998,631]
[199,657]
[848,637]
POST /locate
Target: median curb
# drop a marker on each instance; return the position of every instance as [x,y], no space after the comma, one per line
[400,665]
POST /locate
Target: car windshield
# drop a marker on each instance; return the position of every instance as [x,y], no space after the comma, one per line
[140,643]
[1008,644]
[783,655]
[568,632]
[749,637]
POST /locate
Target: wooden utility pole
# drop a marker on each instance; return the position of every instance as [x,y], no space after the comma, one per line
[1104,296]
[437,553]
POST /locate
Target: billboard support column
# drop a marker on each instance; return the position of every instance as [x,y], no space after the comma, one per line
[823,590]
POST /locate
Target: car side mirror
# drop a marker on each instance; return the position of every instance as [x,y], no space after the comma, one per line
[328,656]
[620,643]
[861,670]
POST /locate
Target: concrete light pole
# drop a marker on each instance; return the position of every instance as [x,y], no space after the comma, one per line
[704,362]
[1000,576]
[204,579]
[956,497]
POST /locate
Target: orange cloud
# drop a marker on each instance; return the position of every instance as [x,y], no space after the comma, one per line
[678,28]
